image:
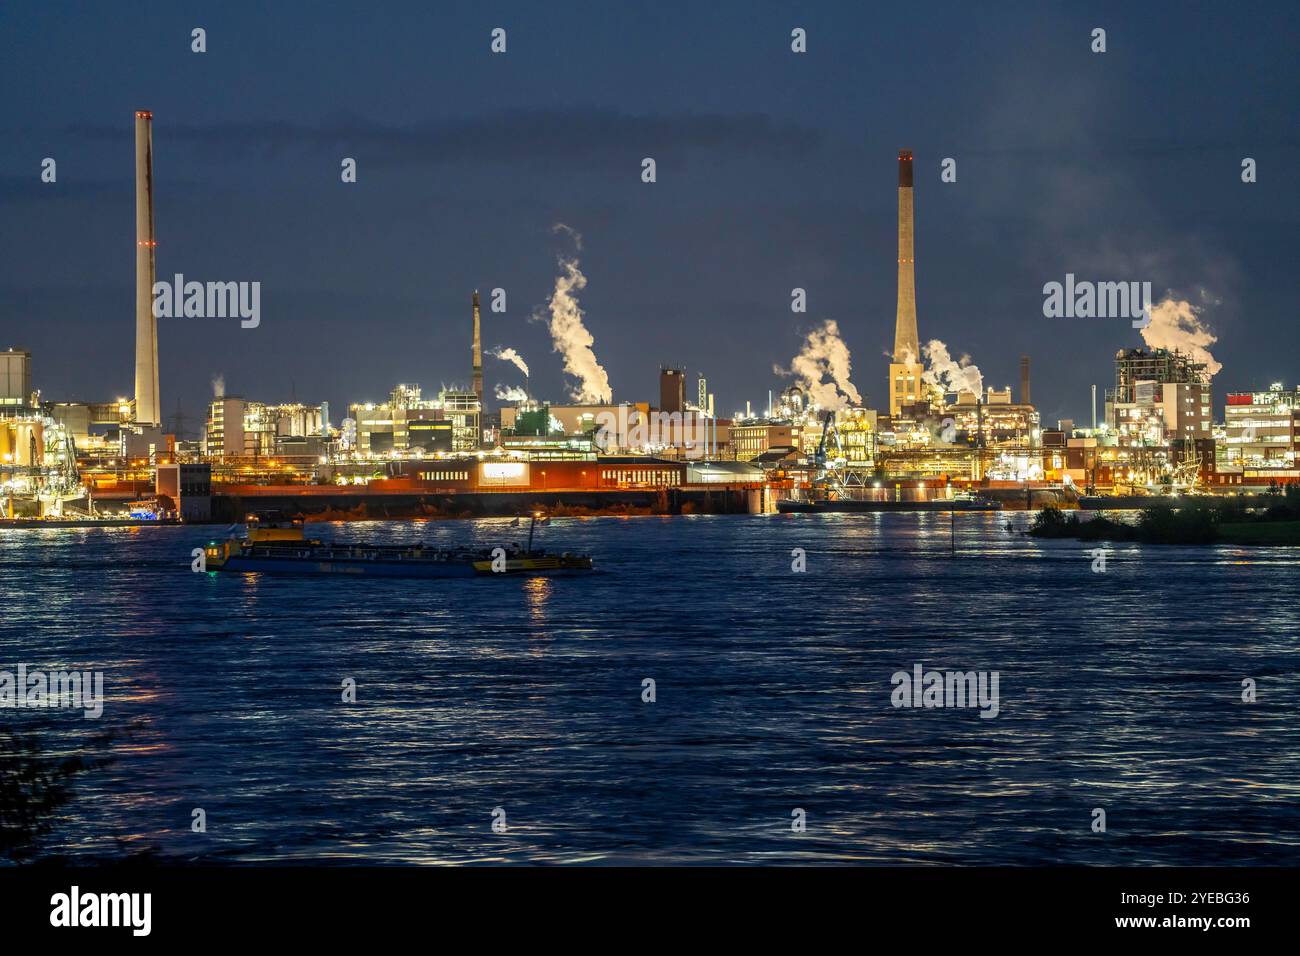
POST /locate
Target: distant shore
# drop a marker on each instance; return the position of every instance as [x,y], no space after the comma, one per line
[1198,521]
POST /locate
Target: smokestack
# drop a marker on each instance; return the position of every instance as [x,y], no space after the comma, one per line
[147,404]
[478,355]
[907,347]
[1024,380]
[1094,408]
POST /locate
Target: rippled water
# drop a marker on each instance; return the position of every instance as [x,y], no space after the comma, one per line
[1119,690]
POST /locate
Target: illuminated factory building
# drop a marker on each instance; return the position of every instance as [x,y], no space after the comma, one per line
[1261,428]
[1260,444]
[238,428]
[1157,431]
[408,423]
[1159,395]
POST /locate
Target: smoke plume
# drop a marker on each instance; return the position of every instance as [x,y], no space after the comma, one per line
[824,355]
[961,375]
[218,386]
[1176,324]
[511,393]
[569,336]
[510,355]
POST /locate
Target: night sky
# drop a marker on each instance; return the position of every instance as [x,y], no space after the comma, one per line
[775,170]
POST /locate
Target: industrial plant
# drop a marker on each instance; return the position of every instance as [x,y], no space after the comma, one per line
[942,437]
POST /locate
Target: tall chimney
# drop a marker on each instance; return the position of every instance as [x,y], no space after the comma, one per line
[478,355]
[1024,380]
[907,348]
[147,405]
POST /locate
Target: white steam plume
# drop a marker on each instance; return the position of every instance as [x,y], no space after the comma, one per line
[824,355]
[218,386]
[570,232]
[961,375]
[511,393]
[1176,324]
[569,336]
[510,355]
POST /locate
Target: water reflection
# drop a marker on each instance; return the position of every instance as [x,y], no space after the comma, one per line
[474,693]
[538,591]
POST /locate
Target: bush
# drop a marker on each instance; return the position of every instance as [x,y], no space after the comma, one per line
[1192,524]
[34,787]
[1048,521]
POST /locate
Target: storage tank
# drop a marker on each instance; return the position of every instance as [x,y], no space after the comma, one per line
[27,443]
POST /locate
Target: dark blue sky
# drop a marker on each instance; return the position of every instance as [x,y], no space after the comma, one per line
[775,170]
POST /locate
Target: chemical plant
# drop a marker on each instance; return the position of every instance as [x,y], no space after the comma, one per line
[942,436]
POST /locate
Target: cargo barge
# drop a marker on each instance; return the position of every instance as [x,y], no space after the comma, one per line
[278,546]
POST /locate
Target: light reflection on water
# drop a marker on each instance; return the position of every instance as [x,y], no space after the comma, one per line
[1119,690]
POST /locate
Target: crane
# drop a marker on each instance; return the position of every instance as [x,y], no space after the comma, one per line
[837,474]
[828,426]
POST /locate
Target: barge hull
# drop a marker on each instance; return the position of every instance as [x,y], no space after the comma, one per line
[379,569]
[403,569]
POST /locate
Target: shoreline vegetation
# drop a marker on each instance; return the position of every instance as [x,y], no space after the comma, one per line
[1199,520]
[37,778]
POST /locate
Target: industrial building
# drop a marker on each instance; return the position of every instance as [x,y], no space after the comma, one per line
[239,428]
[758,438]
[464,411]
[1158,429]
[1159,396]
[22,442]
[410,424]
[188,489]
[1157,432]
[15,379]
[1259,441]
[628,427]
[37,456]
[577,420]
[672,390]
[469,475]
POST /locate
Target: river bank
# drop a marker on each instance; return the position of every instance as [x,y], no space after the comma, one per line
[1197,521]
